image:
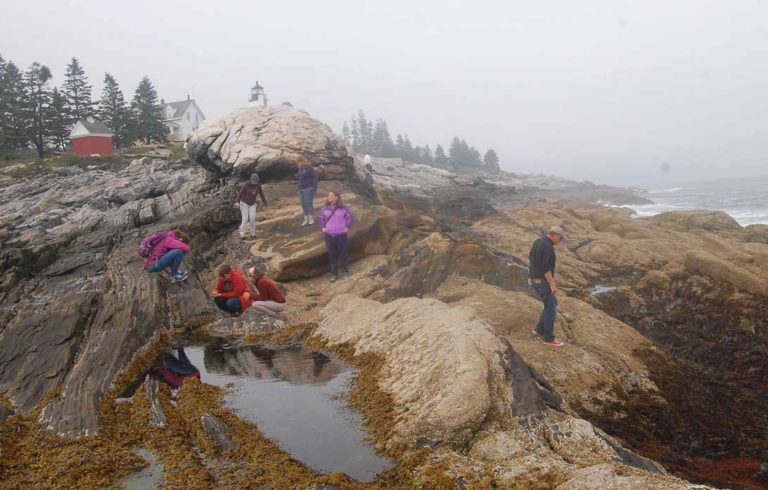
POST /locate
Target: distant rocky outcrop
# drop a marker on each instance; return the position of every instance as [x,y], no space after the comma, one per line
[268,140]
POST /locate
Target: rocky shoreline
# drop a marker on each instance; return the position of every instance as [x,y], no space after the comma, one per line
[661,378]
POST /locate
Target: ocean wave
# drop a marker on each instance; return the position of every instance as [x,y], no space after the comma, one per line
[668,191]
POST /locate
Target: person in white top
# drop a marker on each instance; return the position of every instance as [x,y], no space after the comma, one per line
[367,159]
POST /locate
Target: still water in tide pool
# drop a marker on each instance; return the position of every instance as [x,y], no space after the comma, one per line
[293,396]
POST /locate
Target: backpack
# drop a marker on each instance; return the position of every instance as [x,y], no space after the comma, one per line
[148,243]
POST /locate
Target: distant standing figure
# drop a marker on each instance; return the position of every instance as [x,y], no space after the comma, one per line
[367,159]
[542,276]
[307,189]
[336,219]
[232,293]
[169,253]
[270,299]
[246,202]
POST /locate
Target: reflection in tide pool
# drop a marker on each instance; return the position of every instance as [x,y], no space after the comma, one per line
[292,396]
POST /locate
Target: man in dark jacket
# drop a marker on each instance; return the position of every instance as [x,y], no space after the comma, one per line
[246,202]
[542,276]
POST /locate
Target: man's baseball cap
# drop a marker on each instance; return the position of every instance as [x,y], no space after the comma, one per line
[559,231]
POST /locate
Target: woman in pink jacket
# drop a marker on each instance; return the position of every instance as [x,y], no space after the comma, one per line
[169,252]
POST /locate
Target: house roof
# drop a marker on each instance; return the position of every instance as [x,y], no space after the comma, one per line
[85,127]
[179,107]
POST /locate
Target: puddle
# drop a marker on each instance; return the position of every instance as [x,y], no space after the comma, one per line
[293,396]
[598,289]
[149,478]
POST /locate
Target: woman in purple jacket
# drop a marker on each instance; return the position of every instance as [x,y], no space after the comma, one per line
[336,219]
[169,252]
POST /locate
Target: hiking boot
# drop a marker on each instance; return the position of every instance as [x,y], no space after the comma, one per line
[334,277]
[346,275]
[181,276]
[536,333]
[554,343]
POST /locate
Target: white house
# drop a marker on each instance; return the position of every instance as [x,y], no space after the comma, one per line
[182,118]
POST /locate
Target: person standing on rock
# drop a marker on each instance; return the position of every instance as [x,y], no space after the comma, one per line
[307,189]
[542,276]
[336,219]
[269,300]
[246,202]
[169,252]
[232,293]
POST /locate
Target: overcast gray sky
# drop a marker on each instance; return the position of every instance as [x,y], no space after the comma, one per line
[600,90]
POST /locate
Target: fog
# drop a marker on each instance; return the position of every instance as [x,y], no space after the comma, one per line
[608,91]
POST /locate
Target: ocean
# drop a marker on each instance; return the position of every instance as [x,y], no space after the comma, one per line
[745,199]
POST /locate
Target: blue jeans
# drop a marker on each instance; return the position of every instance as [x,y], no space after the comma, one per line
[230,305]
[546,325]
[337,252]
[172,258]
[307,198]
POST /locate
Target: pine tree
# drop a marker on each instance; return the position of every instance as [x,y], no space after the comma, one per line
[382,142]
[114,112]
[366,132]
[345,135]
[13,114]
[56,121]
[355,134]
[38,99]
[77,92]
[147,115]
[440,158]
[456,153]
[491,160]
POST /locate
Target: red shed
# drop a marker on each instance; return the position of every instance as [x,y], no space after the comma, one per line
[91,137]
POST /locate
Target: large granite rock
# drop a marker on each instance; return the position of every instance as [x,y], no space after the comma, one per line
[452,379]
[268,140]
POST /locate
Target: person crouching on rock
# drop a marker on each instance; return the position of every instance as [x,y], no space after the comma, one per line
[232,293]
[169,252]
[542,276]
[336,219]
[246,202]
[307,189]
[270,300]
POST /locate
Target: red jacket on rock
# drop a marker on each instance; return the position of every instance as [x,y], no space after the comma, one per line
[235,287]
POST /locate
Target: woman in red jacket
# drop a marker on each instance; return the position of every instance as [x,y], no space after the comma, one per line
[232,293]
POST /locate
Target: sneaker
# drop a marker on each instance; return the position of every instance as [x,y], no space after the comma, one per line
[534,332]
[334,277]
[304,223]
[346,275]
[181,276]
[554,343]
[311,222]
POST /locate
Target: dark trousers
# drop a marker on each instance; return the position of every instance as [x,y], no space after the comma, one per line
[546,325]
[172,258]
[337,252]
[230,305]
